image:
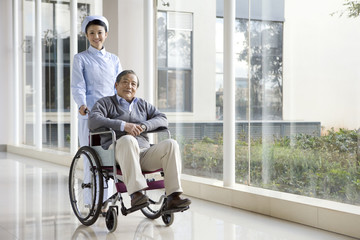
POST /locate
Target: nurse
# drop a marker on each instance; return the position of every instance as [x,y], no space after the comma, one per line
[94,74]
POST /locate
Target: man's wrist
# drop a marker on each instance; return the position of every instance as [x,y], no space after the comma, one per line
[143,127]
[122,126]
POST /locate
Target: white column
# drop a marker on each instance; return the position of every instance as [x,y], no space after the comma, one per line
[38,78]
[59,82]
[229,94]
[60,91]
[149,65]
[16,85]
[73,51]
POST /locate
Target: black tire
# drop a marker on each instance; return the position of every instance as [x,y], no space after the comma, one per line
[153,211]
[168,218]
[111,219]
[86,209]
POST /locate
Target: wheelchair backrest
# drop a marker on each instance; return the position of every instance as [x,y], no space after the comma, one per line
[107,157]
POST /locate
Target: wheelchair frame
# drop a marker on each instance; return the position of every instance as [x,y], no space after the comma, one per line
[102,166]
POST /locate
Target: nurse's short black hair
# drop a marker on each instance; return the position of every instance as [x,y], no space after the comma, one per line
[126,72]
[96,22]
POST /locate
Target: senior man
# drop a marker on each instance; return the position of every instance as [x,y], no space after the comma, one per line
[131,117]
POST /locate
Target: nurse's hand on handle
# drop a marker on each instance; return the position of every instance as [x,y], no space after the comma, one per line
[83,110]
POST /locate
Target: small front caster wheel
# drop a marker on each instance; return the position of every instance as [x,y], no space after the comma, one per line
[168,218]
[111,219]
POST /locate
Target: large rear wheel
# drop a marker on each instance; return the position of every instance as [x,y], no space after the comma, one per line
[86,185]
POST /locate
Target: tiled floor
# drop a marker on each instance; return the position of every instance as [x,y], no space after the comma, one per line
[34,204]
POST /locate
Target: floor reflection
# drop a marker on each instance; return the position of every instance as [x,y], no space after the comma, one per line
[84,232]
[146,229]
[34,204]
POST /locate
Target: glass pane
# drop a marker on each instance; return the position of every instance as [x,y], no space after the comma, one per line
[265,69]
[179,43]
[171,89]
[219,38]
[162,89]
[83,11]
[176,87]
[29,71]
[241,98]
[174,44]
[219,62]
[56,74]
[162,39]
[219,82]
[188,85]
[309,143]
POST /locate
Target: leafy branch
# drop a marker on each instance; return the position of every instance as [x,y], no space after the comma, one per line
[352,9]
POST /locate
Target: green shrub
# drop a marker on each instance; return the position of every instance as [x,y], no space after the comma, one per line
[317,166]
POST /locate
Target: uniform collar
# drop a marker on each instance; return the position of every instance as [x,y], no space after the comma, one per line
[95,51]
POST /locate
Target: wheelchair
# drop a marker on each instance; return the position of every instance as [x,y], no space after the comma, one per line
[86,192]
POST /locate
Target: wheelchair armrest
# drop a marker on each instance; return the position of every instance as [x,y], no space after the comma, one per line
[161,129]
[100,131]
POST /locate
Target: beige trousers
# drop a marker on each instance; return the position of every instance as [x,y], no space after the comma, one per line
[133,161]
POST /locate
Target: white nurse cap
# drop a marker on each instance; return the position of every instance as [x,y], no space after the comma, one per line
[91,18]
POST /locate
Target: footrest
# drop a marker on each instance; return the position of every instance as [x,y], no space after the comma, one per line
[126,211]
[174,210]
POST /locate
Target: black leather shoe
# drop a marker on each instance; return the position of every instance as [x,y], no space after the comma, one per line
[175,202]
[138,198]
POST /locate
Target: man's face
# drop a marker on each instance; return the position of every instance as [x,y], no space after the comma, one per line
[127,87]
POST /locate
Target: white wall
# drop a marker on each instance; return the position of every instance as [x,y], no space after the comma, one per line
[321,64]
[6,72]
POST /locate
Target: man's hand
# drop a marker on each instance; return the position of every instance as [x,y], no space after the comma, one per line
[83,110]
[133,129]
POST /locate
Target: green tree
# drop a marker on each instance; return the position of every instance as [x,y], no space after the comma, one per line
[266,60]
[351,9]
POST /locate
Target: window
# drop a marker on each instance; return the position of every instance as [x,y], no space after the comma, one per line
[55,70]
[265,69]
[174,61]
